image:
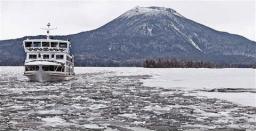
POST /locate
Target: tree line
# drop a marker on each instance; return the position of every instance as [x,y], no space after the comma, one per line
[174,63]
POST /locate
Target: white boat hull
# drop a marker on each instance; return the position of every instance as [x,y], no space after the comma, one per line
[43,76]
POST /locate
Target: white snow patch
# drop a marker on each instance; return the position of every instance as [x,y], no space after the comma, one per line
[167,93]
[194,44]
[132,115]
[176,28]
[50,112]
[186,37]
[192,79]
[157,108]
[207,114]
[54,121]
[150,11]
[78,106]
[97,106]
[149,31]
[138,129]
[92,126]
[199,126]
[17,107]
[244,98]
[110,129]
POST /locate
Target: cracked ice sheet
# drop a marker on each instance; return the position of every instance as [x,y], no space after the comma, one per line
[194,79]
[102,95]
[180,79]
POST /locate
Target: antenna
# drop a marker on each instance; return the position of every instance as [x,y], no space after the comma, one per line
[48,29]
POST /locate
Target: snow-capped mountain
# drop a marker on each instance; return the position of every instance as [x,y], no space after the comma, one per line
[149,32]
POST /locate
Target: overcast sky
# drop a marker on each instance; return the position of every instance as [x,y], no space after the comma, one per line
[20,18]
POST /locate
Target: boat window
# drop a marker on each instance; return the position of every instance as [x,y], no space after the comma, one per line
[49,68]
[52,55]
[36,44]
[59,56]
[60,69]
[28,44]
[31,68]
[63,45]
[54,44]
[45,56]
[68,58]
[32,56]
[53,68]
[45,44]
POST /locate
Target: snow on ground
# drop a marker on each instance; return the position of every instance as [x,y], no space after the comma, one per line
[150,11]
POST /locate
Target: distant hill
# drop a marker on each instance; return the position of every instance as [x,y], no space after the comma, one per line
[146,33]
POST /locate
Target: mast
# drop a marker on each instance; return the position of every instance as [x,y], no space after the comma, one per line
[48,29]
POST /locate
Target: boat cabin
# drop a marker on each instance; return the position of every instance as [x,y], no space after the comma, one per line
[48,59]
[53,55]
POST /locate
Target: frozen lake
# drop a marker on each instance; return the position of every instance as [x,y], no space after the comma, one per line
[127,98]
[240,84]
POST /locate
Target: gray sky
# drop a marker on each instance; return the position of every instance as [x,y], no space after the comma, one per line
[20,18]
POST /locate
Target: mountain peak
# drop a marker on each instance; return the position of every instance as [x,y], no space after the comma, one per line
[150,11]
[147,33]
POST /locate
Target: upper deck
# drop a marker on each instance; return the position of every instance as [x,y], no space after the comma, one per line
[46,45]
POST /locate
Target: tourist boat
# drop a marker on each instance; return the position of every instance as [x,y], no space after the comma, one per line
[48,59]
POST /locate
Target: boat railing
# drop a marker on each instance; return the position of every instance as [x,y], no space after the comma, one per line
[61,63]
[53,49]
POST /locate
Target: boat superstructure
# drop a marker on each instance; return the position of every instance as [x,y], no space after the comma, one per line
[48,59]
